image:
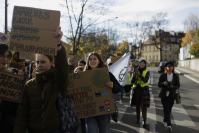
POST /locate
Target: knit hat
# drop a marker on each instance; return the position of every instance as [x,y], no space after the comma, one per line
[144,61]
[170,64]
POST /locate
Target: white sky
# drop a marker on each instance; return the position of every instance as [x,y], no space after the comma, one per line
[126,11]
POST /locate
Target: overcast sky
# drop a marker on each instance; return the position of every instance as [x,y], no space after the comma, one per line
[125,11]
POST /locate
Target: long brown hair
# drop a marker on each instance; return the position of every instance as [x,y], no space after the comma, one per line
[101,63]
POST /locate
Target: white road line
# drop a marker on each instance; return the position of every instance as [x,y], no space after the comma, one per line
[189,77]
[122,112]
[181,117]
[127,125]
[196,105]
[118,130]
[152,115]
[177,71]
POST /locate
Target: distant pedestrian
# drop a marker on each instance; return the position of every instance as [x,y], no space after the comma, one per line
[168,82]
[80,67]
[72,63]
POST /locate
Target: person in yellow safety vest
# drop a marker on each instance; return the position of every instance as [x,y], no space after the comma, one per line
[127,79]
[141,93]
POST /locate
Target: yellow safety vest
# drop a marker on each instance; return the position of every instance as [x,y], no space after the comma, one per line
[140,82]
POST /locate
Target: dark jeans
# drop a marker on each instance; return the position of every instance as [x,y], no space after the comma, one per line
[98,124]
[167,103]
[83,125]
[139,105]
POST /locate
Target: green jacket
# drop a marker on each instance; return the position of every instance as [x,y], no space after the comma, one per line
[38,112]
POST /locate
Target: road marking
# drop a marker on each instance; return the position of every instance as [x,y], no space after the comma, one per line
[118,130]
[152,115]
[196,105]
[127,125]
[122,112]
[189,77]
[181,117]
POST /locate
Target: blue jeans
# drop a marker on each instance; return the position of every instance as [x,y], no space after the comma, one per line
[98,124]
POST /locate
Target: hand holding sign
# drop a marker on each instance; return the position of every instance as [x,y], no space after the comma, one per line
[109,85]
[34,30]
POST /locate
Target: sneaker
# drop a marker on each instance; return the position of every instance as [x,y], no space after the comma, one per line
[144,124]
[164,123]
[169,128]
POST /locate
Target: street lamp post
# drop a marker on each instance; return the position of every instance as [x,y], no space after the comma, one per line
[6,18]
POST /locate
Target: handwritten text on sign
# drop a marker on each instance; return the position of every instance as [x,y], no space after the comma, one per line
[88,92]
[11,87]
[34,29]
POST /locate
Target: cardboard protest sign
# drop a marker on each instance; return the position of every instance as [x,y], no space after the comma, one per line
[11,87]
[88,92]
[27,56]
[33,30]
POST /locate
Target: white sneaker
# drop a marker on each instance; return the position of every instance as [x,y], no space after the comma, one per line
[165,124]
[169,128]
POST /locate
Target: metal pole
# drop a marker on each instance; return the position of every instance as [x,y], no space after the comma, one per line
[6,18]
[160,35]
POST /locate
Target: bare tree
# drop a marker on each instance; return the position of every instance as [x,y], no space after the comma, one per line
[191,23]
[79,23]
[141,31]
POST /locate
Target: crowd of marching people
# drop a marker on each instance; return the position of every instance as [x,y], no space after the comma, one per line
[43,106]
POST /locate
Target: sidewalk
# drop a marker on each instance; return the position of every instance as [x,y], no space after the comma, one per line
[193,75]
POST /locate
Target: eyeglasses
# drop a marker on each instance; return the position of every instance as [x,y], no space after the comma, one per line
[40,62]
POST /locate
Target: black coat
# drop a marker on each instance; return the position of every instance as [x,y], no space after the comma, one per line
[171,87]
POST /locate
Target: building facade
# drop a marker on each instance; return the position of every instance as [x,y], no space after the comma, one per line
[164,46]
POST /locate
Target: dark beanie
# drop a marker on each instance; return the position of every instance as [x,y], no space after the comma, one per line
[170,64]
[144,61]
[3,49]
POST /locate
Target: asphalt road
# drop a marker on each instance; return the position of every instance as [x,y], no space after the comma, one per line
[185,115]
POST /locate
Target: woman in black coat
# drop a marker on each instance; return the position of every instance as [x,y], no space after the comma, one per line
[169,83]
